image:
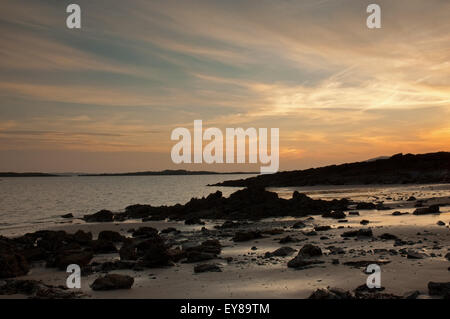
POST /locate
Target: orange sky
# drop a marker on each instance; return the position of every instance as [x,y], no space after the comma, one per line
[106,98]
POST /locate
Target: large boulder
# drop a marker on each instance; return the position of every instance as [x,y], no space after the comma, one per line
[112,282]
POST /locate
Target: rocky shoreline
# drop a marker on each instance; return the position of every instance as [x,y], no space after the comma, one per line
[398,169]
[252,228]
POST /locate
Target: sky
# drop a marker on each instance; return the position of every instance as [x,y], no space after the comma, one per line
[106,97]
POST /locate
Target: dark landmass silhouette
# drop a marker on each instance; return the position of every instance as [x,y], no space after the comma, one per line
[398,169]
[168,172]
[11,174]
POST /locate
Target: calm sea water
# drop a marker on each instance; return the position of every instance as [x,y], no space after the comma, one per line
[30,201]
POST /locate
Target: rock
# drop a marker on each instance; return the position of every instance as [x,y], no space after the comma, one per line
[309,250]
[280,252]
[36,290]
[364,206]
[194,221]
[335,215]
[69,215]
[299,225]
[433,209]
[311,233]
[196,256]
[300,262]
[145,232]
[447,256]
[112,282]
[287,239]
[364,222]
[440,223]
[128,252]
[156,255]
[246,236]
[100,217]
[322,228]
[207,268]
[66,258]
[335,262]
[230,224]
[397,213]
[441,289]
[358,233]
[331,294]
[415,255]
[110,235]
[103,247]
[353,213]
[411,199]
[82,238]
[13,264]
[387,236]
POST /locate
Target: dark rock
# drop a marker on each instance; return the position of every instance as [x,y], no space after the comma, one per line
[364,222]
[155,255]
[194,221]
[335,215]
[128,252]
[12,264]
[196,256]
[353,213]
[311,233]
[145,232]
[246,236]
[280,252]
[111,236]
[287,239]
[441,289]
[36,290]
[415,255]
[66,258]
[299,225]
[433,209]
[207,268]
[322,228]
[82,238]
[366,206]
[387,236]
[397,213]
[100,217]
[300,262]
[331,294]
[113,282]
[411,199]
[103,247]
[440,223]
[358,233]
[69,215]
[309,250]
